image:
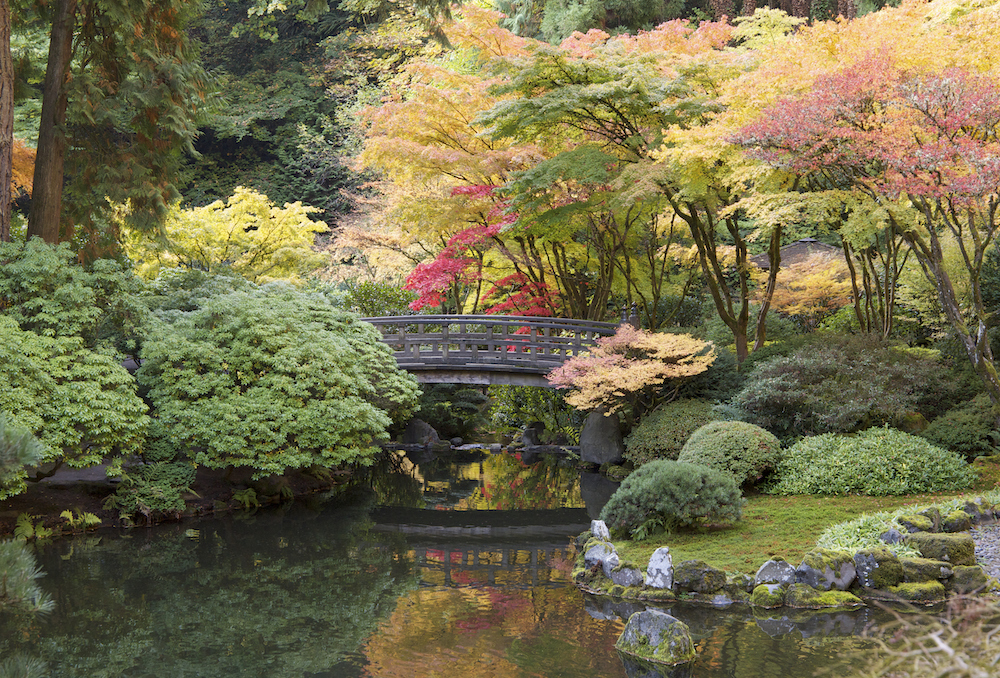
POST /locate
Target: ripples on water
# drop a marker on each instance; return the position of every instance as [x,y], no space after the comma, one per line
[460,568]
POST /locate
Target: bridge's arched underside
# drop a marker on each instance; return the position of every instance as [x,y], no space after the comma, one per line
[454,372]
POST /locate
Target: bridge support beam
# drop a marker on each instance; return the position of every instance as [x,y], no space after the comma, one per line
[451,376]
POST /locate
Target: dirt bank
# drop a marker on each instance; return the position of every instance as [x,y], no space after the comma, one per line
[86,490]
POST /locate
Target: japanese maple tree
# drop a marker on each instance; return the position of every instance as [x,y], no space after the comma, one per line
[633,370]
[923,144]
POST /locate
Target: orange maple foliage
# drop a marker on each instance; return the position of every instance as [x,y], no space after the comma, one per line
[631,368]
[812,289]
[24,168]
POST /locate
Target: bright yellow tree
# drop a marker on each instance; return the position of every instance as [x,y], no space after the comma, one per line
[247,234]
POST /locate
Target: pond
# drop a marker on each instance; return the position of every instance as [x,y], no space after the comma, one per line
[456,566]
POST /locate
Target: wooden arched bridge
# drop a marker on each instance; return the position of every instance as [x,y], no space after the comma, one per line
[486,349]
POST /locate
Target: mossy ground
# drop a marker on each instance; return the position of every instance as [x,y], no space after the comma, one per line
[771,526]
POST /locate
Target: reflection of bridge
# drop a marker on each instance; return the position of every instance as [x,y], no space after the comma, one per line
[509,548]
[486,349]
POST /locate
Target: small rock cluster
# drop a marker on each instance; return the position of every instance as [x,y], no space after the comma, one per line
[824,579]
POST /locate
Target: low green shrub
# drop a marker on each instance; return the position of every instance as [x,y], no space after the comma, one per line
[744,451]
[968,428]
[843,384]
[877,462]
[152,489]
[668,495]
[662,434]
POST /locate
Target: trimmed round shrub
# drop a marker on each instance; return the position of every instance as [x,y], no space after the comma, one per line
[967,428]
[667,495]
[744,451]
[877,462]
[662,434]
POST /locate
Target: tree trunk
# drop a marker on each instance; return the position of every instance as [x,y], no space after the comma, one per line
[47,190]
[6,121]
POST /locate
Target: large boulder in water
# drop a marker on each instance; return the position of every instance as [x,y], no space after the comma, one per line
[419,432]
[657,637]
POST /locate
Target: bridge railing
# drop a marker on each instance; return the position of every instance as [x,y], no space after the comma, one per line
[504,342]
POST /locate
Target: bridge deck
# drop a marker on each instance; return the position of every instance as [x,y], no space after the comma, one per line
[486,349]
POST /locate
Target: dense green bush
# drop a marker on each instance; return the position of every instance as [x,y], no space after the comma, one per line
[270,378]
[721,381]
[662,434]
[453,410]
[152,489]
[744,451]
[843,384]
[514,407]
[45,290]
[878,461]
[81,405]
[969,428]
[370,298]
[18,448]
[667,495]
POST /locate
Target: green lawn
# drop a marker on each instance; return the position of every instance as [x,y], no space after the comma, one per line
[771,526]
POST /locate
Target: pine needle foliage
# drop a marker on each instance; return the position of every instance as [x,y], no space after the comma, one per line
[19,591]
[665,495]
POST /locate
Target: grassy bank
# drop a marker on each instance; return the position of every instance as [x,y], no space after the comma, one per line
[771,526]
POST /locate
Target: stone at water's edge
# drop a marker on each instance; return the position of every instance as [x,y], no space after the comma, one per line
[623,575]
[957,549]
[968,579]
[658,637]
[775,571]
[601,439]
[826,569]
[697,576]
[660,571]
[597,555]
[878,568]
[599,530]
[419,432]
[924,569]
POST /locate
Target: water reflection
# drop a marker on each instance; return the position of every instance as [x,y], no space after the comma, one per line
[338,588]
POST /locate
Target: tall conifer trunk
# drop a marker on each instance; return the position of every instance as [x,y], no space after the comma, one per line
[6,121]
[47,190]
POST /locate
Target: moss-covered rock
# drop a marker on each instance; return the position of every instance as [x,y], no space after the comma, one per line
[698,576]
[803,595]
[878,568]
[933,514]
[768,596]
[957,549]
[968,579]
[956,521]
[775,571]
[925,592]
[826,569]
[739,583]
[657,637]
[924,569]
[911,522]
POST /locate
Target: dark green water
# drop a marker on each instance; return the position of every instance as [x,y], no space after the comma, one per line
[451,569]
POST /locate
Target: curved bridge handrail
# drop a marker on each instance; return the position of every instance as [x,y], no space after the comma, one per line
[487,343]
[602,328]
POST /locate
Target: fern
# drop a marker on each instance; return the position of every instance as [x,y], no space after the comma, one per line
[247,498]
